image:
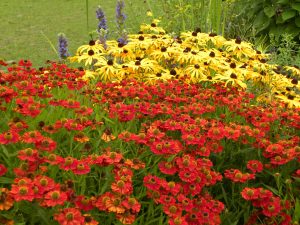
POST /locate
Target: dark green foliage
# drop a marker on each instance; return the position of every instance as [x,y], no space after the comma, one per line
[274,17]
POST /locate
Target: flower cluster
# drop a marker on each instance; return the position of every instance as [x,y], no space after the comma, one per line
[178,108]
[153,55]
[88,152]
[271,206]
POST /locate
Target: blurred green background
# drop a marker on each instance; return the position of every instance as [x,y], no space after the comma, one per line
[29,26]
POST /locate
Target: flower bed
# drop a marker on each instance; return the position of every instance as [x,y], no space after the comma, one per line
[152,55]
[78,151]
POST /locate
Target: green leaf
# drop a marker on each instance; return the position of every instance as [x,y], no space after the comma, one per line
[282,1]
[269,11]
[288,14]
[297,179]
[297,21]
[279,20]
[5,180]
[296,6]
[276,30]
[292,30]
[297,211]
[261,22]
[271,189]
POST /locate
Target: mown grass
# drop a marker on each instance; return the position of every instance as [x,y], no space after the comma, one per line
[28,27]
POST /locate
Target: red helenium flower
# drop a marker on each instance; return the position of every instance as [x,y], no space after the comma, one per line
[3,170]
[69,216]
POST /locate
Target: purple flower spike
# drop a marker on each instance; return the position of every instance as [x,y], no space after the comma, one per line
[120,20]
[101,18]
[102,26]
[63,46]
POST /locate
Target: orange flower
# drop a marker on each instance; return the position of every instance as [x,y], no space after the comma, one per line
[107,136]
[9,137]
[55,197]
[81,168]
[114,205]
[80,137]
[5,221]
[44,183]
[69,216]
[22,192]
[51,129]
[6,200]
[250,193]
[255,166]
[126,218]
[46,144]
[122,187]
[28,154]
[88,220]
[132,204]
[84,203]
[32,137]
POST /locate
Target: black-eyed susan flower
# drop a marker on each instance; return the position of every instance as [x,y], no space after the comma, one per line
[294,69]
[93,45]
[216,40]
[290,100]
[141,41]
[195,72]
[153,27]
[90,57]
[161,54]
[145,65]
[88,75]
[231,78]
[151,78]
[121,51]
[107,69]
[239,48]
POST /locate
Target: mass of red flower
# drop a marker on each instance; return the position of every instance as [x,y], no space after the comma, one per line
[88,152]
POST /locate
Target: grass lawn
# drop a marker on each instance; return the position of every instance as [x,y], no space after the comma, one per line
[28,26]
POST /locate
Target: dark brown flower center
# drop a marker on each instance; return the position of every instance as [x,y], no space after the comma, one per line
[92,42]
[238,40]
[233,76]
[110,62]
[173,72]
[212,54]
[91,52]
[294,81]
[163,49]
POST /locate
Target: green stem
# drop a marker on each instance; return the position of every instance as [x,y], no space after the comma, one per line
[87,14]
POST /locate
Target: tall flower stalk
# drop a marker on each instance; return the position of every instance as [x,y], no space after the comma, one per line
[63,46]
[120,20]
[102,26]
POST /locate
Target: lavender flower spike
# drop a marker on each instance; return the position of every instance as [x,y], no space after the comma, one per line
[63,46]
[120,20]
[101,18]
[102,26]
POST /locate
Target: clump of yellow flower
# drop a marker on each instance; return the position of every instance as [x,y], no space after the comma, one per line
[153,55]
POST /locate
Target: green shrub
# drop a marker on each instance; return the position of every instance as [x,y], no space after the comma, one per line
[183,15]
[287,52]
[274,17]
